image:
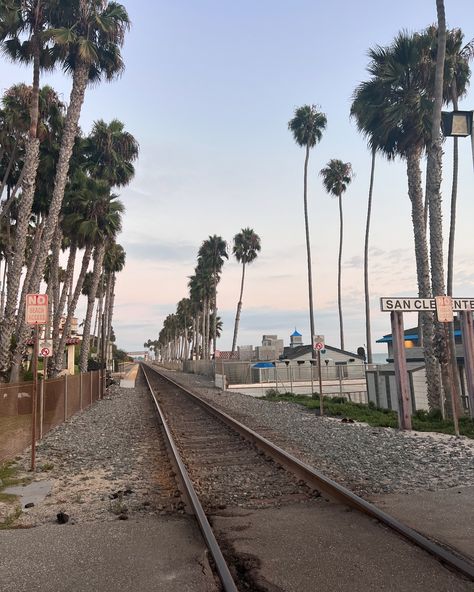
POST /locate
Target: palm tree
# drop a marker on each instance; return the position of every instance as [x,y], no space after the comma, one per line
[307,127]
[111,151]
[398,123]
[114,262]
[24,38]
[246,248]
[89,35]
[103,226]
[336,177]
[211,255]
[456,79]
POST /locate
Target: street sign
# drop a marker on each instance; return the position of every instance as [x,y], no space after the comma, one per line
[45,348]
[36,309]
[444,309]
[318,342]
[422,304]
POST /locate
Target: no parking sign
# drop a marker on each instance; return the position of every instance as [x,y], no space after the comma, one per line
[45,348]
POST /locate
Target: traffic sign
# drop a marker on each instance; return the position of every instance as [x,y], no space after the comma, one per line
[444,309]
[45,348]
[36,309]
[318,342]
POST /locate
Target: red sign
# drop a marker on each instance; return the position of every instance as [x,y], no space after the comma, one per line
[36,309]
[444,309]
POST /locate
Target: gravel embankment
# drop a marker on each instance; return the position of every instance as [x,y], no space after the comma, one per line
[105,463]
[368,460]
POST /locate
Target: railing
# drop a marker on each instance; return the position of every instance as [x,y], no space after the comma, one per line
[57,400]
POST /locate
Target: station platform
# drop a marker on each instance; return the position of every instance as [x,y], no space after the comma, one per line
[130,377]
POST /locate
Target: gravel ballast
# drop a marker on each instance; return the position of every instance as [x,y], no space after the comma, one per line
[366,459]
[109,462]
[105,463]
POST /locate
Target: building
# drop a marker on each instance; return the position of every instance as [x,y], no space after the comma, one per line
[271,348]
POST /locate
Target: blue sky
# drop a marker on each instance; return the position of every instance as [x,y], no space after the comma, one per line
[208,90]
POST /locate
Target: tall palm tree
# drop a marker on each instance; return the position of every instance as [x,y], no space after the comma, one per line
[211,255]
[307,126]
[246,248]
[111,151]
[398,123]
[337,175]
[24,37]
[103,226]
[114,262]
[89,35]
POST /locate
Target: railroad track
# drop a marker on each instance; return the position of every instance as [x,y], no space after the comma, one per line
[220,464]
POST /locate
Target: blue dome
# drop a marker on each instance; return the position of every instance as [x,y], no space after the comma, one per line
[296,334]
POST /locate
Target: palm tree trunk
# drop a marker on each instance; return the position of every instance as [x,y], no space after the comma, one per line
[9,168]
[433,190]
[58,313]
[454,194]
[110,310]
[79,85]
[11,195]
[85,345]
[308,250]
[59,352]
[368,333]
[339,273]
[415,193]
[214,318]
[15,269]
[239,308]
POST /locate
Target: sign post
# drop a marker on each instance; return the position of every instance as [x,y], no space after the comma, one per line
[401,374]
[318,345]
[36,314]
[445,307]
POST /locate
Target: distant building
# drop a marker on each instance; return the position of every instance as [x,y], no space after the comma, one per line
[271,348]
[296,339]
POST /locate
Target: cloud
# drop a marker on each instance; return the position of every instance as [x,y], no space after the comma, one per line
[356,262]
[150,249]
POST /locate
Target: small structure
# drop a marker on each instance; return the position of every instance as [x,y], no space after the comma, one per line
[296,339]
[271,348]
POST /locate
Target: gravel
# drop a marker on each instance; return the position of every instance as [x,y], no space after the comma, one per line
[367,460]
[109,462]
[106,463]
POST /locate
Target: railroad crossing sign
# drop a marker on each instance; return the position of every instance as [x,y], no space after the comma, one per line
[45,348]
[36,309]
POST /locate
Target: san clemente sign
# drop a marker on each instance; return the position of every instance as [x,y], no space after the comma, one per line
[422,304]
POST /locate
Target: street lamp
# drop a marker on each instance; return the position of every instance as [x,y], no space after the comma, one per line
[458,124]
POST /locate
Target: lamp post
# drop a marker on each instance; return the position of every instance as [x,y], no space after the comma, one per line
[458,124]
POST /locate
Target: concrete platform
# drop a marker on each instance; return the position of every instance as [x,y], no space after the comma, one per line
[446,516]
[164,554]
[130,377]
[305,548]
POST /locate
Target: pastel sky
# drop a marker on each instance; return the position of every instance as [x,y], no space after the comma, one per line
[208,90]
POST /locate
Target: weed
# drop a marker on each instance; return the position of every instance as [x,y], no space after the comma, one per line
[422,421]
[46,467]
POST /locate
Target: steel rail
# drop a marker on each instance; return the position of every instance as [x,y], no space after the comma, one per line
[334,490]
[198,511]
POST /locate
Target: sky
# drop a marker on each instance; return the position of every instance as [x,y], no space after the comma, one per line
[208,91]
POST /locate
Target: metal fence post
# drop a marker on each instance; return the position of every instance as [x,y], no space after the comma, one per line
[80,389]
[41,397]
[91,384]
[65,397]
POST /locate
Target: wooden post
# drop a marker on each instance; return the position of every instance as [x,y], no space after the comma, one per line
[468,345]
[401,374]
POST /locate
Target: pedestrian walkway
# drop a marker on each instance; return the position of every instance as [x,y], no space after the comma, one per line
[130,377]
